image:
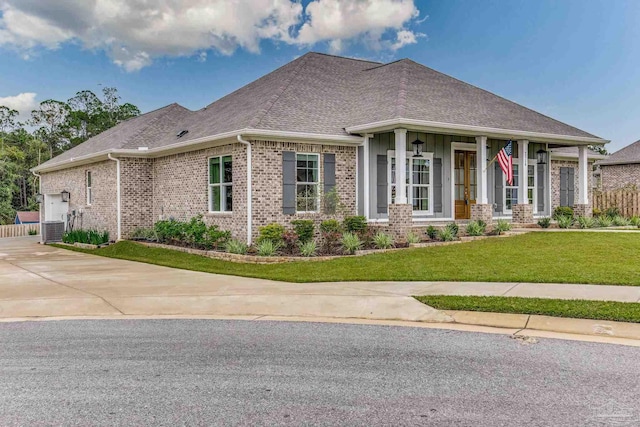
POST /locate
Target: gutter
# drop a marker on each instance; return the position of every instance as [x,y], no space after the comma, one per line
[119,214]
[249,193]
[40,206]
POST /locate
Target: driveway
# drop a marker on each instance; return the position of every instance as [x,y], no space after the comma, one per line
[43,281]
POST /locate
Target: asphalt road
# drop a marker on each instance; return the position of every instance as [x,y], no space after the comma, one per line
[209,372]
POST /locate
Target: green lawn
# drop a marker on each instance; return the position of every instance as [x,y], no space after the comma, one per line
[572,257]
[579,309]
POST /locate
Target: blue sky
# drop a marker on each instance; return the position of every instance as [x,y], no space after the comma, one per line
[575,60]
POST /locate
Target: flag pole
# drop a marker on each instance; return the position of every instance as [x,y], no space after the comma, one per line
[490,163]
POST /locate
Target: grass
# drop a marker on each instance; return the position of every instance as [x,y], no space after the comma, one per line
[579,309]
[571,257]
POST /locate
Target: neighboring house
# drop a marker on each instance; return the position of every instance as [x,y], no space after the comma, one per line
[27,218]
[621,169]
[272,150]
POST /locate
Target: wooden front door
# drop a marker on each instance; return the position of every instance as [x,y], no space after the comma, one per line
[464,188]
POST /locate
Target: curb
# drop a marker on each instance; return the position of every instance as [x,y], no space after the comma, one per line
[533,322]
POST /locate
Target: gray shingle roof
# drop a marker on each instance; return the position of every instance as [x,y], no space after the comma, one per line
[324,94]
[628,154]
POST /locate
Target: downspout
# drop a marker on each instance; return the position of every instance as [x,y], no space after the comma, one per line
[119,215]
[40,207]
[249,193]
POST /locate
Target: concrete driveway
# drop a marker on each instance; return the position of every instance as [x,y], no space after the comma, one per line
[43,281]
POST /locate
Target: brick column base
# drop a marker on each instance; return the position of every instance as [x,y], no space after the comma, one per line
[522,214]
[482,212]
[400,220]
[582,210]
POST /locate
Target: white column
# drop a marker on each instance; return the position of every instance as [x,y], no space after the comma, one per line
[481,170]
[583,176]
[366,179]
[523,171]
[401,173]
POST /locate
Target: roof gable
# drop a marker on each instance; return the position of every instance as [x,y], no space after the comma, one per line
[628,154]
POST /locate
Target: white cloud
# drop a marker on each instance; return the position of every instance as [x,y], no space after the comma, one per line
[24,103]
[135,32]
[405,37]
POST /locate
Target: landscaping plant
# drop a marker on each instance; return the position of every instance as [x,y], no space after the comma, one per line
[585,222]
[412,238]
[562,211]
[91,237]
[354,224]
[382,240]
[604,221]
[635,221]
[273,232]
[565,221]
[351,243]
[620,221]
[304,228]
[475,228]
[446,234]
[502,225]
[216,238]
[544,222]
[432,232]
[32,232]
[267,247]
[331,233]
[290,241]
[453,227]
[308,248]
[234,246]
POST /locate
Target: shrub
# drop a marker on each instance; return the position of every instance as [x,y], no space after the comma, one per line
[596,212]
[194,231]
[234,246]
[267,247]
[634,220]
[585,222]
[290,241]
[446,234]
[32,232]
[354,224]
[91,237]
[382,240]
[544,222]
[620,221]
[432,232]
[454,228]
[331,233]
[143,234]
[604,221]
[562,211]
[367,236]
[304,229]
[215,238]
[329,226]
[612,212]
[350,243]
[412,238]
[502,225]
[169,231]
[273,232]
[565,221]
[475,228]
[308,248]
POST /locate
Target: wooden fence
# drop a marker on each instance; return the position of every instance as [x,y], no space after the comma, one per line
[18,230]
[627,202]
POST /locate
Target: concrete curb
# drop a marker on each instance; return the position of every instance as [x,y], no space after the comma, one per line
[526,322]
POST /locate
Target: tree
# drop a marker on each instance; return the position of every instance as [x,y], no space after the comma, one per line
[7,122]
[598,149]
[52,118]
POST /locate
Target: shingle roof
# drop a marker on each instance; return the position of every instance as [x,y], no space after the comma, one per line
[324,94]
[26,217]
[628,154]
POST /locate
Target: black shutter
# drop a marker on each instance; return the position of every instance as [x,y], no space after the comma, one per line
[288,182]
[564,186]
[381,184]
[541,176]
[498,188]
[329,172]
[437,185]
[571,187]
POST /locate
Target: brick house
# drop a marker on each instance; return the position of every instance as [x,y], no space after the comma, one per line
[621,169]
[318,129]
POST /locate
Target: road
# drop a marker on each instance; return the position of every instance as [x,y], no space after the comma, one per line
[216,372]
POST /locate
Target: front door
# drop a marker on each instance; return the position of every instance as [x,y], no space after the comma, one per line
[465,187]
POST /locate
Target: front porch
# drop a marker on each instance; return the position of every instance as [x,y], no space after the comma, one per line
[452,178]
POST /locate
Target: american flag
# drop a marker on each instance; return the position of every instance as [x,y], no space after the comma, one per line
[505,159]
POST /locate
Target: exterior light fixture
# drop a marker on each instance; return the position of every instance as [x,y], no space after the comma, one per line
[39,198]
[417,148]
[65,195]
[542,157]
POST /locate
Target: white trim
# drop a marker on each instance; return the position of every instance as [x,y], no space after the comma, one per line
[391,154]
[583,176]
[88,176]
[118,196]
[221,184]
[482,187]
[523,157]
[317,183]
[461,146]
[249,189]
[401,173]
[481,130]
[534,201]
[367,175]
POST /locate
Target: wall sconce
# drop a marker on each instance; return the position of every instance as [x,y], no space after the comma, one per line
[417,148]
[65,196]
[39,198]
[542,157]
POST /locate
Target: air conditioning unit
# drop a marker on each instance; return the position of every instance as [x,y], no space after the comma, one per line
[52,231]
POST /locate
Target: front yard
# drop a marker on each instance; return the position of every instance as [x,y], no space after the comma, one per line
[571,257]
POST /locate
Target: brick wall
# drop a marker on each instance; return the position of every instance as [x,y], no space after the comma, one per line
[615,177]
[101,215]
[136,188]
[555,180]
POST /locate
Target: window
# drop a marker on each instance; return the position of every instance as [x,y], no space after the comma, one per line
[511,191]
[418,181]
[307,177]
[220,184]
[89,192]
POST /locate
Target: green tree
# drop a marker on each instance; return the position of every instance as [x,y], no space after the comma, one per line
[51,117]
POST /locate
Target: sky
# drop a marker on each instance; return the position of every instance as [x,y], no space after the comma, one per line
[577,61]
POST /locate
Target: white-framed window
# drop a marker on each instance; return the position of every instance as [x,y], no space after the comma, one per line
[510,192]
[89,188]
[307,182]
[220,184]
[418,182]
